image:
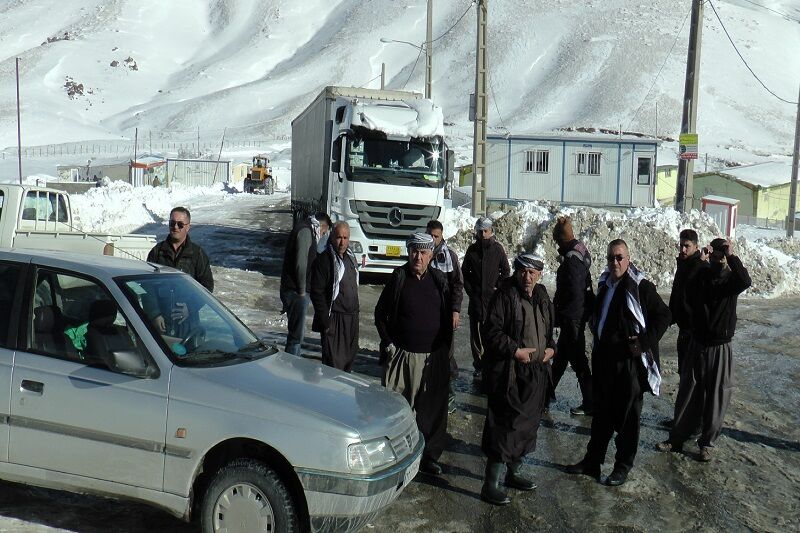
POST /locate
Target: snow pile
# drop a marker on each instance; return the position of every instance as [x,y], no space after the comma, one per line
[119,207]
[651,233]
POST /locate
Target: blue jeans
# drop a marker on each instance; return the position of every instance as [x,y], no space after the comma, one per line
[296,307]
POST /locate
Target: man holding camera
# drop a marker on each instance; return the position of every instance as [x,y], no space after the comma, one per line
[707,374]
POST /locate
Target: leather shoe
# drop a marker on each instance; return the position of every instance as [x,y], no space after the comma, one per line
[591,470]
[429,466]
[617,477]
[667,446]
[705,454]
[581,410]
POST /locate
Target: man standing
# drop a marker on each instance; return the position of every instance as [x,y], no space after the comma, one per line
[629,320]
[414,320]
[307,239]
[689,262]
[707,374]
[446,260]
[333,287]
[178,251]
[573,303]
[485,264]
[518,335]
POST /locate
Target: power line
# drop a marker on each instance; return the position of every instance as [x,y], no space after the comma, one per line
[472,3]
[412,68]
[677,35]
[784,15]
[494,99]
[370,81]
[743,59]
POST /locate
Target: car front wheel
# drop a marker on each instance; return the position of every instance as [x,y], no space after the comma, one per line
[247,496]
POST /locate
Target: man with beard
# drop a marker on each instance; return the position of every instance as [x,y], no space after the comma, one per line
[307,239]
[707,374]
[446,260]
[333,287]
[518,335]
[629,320]
[485,264]
[573,302]
[414,320]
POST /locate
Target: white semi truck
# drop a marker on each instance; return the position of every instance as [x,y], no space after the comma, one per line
[375,159]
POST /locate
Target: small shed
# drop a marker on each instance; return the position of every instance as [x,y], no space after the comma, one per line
[724,211]
[591,169]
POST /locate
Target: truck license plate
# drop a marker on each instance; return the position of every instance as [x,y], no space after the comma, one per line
[412,470]
[393,251]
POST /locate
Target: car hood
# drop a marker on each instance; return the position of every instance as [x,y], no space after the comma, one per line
[291,384]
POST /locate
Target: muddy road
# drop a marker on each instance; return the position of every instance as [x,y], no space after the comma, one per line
[752,483]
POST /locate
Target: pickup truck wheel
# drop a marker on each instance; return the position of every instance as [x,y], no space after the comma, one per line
[247,496]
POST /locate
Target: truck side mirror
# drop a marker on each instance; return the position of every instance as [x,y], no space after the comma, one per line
[449,160]
[336,155]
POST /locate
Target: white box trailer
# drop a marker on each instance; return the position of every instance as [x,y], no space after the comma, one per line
[375,159]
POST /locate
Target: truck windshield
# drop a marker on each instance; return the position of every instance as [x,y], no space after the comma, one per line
[193,327]
[416,162]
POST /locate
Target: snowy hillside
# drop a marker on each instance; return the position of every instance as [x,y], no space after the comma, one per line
[251,65]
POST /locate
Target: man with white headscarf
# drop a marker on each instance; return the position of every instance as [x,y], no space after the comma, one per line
[627,324]
[333,286]
[414,320]
[307,239]
[485,264]
[518,336]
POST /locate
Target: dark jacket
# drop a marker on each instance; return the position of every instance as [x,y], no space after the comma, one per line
[574,299]
[483,268]
[189,258]
[502,329]
[679,298]
[455,280]
[320,288]
[387,306]
[713,296]
[300,253]
[614,344]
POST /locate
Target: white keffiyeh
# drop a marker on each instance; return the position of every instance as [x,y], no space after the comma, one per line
[442,259]
[339,269]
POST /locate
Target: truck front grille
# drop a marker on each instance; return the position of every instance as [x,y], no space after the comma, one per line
[388,220]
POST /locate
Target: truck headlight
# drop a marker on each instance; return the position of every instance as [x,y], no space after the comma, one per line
[356,247]
[366,457]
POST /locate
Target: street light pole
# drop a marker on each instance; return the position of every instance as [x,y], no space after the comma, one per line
[429,52]
[19,130]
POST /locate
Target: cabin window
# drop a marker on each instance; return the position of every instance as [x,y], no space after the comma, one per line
[44,206]
[587,163]
[537,161]
[644,170]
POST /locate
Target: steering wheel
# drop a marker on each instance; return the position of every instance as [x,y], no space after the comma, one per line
[194,335]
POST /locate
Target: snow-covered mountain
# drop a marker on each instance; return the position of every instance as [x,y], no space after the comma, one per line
[97,69]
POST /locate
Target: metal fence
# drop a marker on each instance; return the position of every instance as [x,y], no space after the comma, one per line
[772,223]
[197,171]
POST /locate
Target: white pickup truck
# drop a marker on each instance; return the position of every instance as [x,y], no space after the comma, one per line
[40,218]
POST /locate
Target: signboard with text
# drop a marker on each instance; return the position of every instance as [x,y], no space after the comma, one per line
[688,146]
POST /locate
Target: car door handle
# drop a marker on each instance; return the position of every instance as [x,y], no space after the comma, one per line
[32,386]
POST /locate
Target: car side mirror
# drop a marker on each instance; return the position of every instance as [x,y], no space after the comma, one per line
[132,363]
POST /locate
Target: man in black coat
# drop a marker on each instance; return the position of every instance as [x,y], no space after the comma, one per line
[628,322]
[688,263]
[446,260]
[707,374]
[307,239]
[333,287]
[573,303]
[485,264]
[414,320]
[519,345]
[179,252]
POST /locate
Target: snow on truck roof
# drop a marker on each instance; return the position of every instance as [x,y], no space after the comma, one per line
[412,118]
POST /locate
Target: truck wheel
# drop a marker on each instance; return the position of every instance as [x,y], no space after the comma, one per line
[271,187]
[247,496]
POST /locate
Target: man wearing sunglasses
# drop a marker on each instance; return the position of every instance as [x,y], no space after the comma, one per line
[628,321]
[179,252]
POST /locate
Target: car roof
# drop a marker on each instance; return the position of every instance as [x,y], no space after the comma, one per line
[94,265]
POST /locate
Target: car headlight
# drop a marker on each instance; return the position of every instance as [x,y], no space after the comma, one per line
[366,457]
[356,247]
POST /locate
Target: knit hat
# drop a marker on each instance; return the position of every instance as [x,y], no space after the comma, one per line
[562,231]
[419,241]
[528,260]
[483,223]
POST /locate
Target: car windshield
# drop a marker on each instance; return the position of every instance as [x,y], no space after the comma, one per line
[416,162]
[194,327]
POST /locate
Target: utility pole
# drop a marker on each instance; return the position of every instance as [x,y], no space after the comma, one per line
[481,116]
[135,149]
[429,51]
[383,75]
[198,142]
[19,130]
[685,188]
[795,164]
